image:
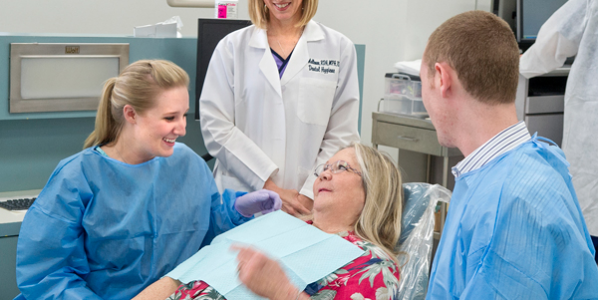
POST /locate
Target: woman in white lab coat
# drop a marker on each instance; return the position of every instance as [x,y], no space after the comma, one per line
[279,98]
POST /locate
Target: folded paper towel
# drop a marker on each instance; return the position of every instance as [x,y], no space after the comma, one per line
[409,67]
[167,29]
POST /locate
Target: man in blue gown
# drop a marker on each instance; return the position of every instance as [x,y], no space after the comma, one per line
[514,229]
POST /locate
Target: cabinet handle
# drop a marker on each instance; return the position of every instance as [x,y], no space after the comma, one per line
[410,139]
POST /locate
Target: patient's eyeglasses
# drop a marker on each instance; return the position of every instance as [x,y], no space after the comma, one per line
[336,167]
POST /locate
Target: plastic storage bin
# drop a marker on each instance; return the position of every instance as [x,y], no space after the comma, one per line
[403,95]
[402,84]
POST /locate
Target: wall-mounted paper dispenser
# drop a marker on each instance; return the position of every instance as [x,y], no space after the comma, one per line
[62,77]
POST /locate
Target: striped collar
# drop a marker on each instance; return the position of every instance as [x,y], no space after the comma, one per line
[502,142]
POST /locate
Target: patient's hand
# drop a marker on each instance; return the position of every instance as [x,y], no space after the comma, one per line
[262,275]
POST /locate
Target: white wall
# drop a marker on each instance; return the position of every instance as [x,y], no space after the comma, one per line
[392,30]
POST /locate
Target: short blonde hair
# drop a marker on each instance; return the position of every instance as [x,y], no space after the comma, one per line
[381,218]
[138,85]
[259,14]
[483,51]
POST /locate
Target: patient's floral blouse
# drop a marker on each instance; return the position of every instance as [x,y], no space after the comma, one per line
[372,276]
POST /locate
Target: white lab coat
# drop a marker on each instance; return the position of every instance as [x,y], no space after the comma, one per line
[259,126]
[573,29]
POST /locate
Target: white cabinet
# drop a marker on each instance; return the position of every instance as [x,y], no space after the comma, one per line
[540,103]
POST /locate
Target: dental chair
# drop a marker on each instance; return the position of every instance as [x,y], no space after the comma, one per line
[416,240]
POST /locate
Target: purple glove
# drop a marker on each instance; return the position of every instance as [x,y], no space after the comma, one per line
[264,201]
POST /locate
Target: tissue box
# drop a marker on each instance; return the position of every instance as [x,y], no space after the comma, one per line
[158,31]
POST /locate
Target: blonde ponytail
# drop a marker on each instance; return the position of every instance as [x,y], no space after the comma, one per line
[138,86]
[105,129]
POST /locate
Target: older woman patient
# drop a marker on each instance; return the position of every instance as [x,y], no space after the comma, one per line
[358,195]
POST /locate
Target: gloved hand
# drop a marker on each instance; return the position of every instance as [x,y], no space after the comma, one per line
[264,201]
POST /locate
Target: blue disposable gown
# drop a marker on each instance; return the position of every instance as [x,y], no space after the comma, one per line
[515,231]
[103,229]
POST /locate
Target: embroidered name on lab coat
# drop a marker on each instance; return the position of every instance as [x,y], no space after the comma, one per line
[323,66]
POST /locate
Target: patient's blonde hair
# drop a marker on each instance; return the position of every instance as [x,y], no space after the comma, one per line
[381,217]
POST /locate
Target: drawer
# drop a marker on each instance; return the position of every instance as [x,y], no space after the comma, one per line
[544,104]
[549,126]
[408,138]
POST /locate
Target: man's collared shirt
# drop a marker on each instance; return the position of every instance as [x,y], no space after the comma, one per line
[502,142]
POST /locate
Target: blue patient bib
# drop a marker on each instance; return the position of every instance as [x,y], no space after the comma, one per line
[291,241]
